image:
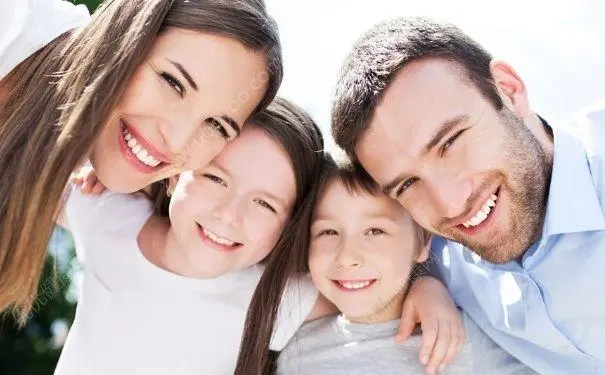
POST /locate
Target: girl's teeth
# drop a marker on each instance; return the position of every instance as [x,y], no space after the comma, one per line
[354,284]
[141,154]
[217,239]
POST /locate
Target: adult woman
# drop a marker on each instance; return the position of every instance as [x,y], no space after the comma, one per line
[146,89]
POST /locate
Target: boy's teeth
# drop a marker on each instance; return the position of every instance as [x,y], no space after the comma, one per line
[217,239]
[354,284]
[483,213]
[141,153]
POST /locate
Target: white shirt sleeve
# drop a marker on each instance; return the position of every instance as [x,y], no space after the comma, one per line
[297,302]
[28,25]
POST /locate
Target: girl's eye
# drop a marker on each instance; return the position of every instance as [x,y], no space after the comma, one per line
[266,205]
[375,232]
[174,83]
[216,125]
[328,232]
[215,179]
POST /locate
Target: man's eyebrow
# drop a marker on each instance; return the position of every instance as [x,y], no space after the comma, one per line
[443,130]
[185,74]
[388,188]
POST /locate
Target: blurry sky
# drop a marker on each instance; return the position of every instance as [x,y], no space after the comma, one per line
[558,48]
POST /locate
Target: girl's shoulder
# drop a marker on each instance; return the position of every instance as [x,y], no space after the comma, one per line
[107,211]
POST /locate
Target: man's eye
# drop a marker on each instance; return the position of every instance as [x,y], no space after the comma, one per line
[404,186]
[450,141]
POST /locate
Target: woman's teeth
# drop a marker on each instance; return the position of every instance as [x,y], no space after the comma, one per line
[141,154]
[482,214]
[351,285]
[218,239]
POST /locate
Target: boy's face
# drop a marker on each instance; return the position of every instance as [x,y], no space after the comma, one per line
[362,251]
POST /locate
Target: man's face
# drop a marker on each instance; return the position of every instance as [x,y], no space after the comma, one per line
[461,168]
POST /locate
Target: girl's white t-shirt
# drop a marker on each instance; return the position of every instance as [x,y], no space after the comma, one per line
[136,318]
[28,25]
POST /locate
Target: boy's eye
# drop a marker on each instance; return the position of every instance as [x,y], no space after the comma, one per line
[266,205]
[328,232]
[174,83]
[375,232]
[215,179]
[218,126]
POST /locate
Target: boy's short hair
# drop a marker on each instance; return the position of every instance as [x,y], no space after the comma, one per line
[357,181]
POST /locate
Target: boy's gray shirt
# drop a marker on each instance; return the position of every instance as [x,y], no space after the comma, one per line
[334,346]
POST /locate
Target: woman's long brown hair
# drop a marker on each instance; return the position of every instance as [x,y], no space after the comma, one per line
[55,103]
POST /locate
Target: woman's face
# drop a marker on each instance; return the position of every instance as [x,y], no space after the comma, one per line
[188,98]
[230,214]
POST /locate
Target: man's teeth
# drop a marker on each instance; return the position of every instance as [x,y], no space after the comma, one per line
[354,284]
[142,154]
[219,240]
[482,214]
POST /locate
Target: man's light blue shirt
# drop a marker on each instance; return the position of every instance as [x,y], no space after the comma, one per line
[549,309]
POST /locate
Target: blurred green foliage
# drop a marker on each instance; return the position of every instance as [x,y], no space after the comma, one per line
[35,348]
[91,4]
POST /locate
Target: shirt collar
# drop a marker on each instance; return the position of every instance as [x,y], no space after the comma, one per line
[573,205]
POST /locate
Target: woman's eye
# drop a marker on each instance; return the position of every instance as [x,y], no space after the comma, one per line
[375,232]
[215,179]
[174,83]
[218,126]
[266,205]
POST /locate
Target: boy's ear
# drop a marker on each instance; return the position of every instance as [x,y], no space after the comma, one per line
[171,184]
[423,255]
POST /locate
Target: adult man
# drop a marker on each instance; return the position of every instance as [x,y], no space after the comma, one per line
[449,133]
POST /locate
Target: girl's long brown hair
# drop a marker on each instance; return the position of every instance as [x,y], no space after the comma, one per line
[55,103]
[300,137]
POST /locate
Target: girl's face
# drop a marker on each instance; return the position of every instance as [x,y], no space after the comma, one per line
[362,251]
[230,214]
[183,104]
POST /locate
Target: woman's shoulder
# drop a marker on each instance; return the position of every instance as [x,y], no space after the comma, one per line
[28,25]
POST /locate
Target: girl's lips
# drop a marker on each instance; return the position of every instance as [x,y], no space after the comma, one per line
[210,242]
[352,286]
[131,157]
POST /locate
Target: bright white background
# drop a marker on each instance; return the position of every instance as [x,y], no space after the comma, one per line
[558,47]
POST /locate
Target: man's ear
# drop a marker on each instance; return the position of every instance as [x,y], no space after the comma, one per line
[511,87]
